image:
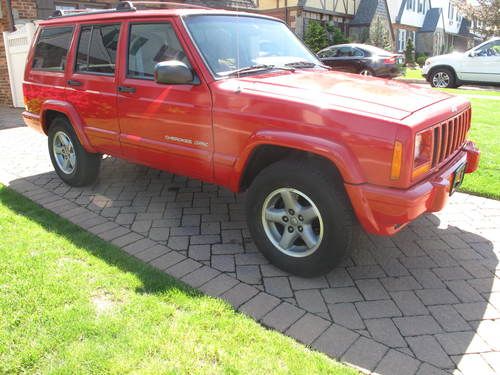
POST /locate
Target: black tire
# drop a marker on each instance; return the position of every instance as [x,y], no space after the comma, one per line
[87,165]
[340,227]
[444,72]
[367,72]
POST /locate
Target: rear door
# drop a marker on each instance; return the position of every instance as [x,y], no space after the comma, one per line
[91,86]
[164,126]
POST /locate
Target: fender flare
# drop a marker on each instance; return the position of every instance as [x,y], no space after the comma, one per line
[338,154]
[70,112]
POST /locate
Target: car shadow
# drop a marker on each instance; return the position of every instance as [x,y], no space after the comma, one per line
[437,274]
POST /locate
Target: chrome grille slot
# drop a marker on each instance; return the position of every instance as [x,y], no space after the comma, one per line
[449,136]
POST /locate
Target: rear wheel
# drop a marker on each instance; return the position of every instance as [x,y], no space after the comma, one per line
[442,78]
[300,217]
[72,163]
[366,72]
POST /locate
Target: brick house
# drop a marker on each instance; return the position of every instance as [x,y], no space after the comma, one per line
[370,15]
[298,13]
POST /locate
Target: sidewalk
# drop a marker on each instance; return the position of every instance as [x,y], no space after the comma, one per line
[426,301]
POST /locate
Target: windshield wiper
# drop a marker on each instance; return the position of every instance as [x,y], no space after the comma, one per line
[305,64]
[256,68]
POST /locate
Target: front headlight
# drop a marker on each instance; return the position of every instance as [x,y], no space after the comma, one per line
[422,152]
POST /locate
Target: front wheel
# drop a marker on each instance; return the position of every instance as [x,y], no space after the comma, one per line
[442,78]
[300,217]
[73,164]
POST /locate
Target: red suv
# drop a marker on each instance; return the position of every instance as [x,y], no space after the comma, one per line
[237,100]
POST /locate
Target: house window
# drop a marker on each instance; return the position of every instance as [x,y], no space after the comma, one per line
[451,11]
[401,40]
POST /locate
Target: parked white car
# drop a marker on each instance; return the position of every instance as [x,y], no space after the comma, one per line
[479,65]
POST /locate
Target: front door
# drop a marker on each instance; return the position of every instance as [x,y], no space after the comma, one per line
[167,127]
[483,65]
[91,85]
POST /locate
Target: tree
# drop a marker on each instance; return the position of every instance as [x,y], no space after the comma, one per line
[379,35]
[315,37]
[485,13]
[336,36]
[409,52]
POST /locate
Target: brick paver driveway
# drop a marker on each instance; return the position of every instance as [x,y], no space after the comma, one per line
[424,301]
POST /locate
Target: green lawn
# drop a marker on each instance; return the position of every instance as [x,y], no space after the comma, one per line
[485,131]
[412,74]
[71,303]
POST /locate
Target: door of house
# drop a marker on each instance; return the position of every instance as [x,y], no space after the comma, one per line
[17,45]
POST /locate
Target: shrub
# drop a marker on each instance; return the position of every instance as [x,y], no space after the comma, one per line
[410,60]
[315,37]
[421,59]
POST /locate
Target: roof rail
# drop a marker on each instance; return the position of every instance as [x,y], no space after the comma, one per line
[124,6]
[168,4]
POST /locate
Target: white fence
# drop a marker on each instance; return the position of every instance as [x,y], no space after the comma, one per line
[17,46]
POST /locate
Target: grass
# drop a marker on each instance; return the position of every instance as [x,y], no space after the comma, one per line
[471,92]
[72,303]
[412,74]
[485,131]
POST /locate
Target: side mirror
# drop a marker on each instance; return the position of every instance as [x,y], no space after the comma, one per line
[173,72]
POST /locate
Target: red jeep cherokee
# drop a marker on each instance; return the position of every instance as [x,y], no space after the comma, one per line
[236,99]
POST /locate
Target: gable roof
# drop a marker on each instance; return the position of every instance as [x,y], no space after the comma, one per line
[365,13]
[401,10]
[431,20]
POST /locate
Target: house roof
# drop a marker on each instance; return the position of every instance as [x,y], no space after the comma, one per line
[465,28]
[401,10]
[431,20]
[365,13]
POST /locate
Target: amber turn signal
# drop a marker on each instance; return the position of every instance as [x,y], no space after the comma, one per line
[397,157]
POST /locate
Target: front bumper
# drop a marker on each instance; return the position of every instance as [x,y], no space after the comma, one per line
[385,211]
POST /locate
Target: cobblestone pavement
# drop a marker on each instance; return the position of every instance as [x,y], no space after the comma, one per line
[426,301]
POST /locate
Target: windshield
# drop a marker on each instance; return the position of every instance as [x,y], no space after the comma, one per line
[231,43]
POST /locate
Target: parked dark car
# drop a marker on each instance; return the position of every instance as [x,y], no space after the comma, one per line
[362,59]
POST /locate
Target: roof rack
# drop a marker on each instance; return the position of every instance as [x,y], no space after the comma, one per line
[126,6]
[168,4]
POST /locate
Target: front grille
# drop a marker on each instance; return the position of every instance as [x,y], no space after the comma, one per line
[449,136]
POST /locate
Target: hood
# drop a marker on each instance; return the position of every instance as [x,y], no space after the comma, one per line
[328,89]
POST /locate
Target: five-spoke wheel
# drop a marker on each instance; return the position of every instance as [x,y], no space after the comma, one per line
[292,222]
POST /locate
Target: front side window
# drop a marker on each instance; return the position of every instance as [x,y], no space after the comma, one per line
[52,48]
[230,43]
[97,49]
[150,44]
[328,53]
[489,49]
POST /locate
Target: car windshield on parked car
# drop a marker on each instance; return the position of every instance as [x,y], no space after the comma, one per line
[245,44]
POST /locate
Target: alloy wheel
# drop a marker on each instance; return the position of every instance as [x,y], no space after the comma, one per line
[292,222]
[441,79]
[64,152]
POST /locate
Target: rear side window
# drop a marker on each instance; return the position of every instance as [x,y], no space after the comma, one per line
[150,44]
[97,49]
[52,48]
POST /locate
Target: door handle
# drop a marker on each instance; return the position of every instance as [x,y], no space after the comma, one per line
[73,82]
[126,89]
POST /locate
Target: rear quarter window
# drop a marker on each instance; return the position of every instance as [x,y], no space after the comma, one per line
[52,48]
